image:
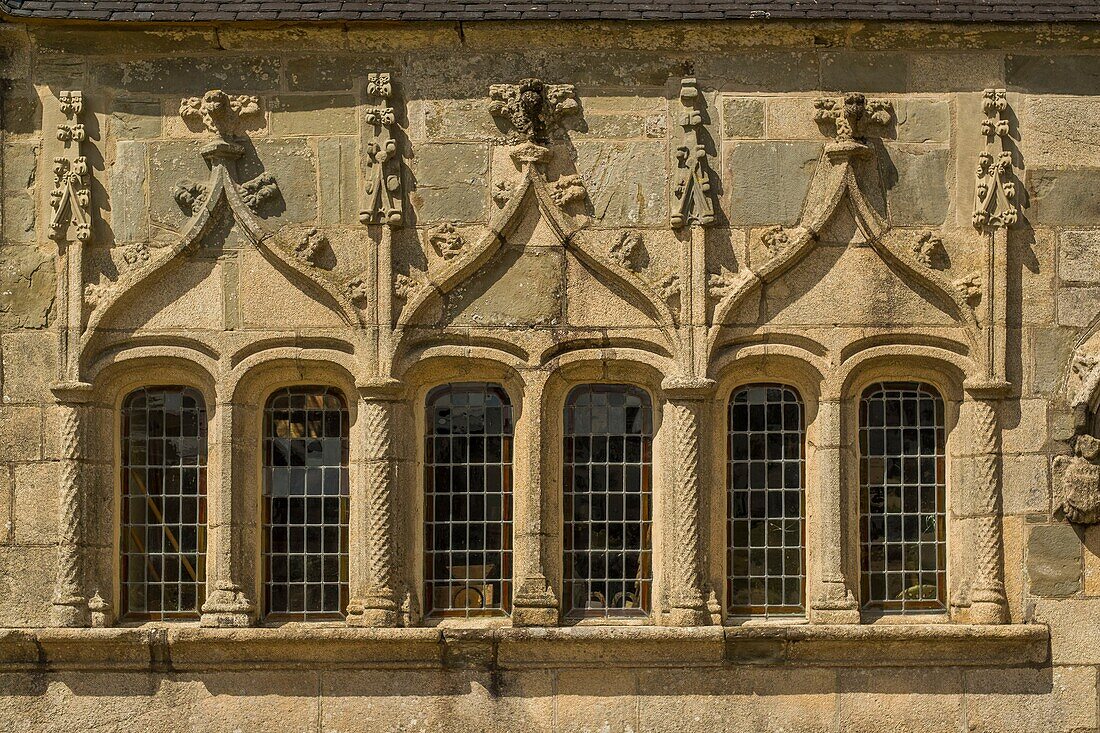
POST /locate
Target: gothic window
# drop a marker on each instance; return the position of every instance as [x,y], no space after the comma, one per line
[305,504]
[766,479]
[902,498]
[468,500]
[607,485]
[163,538]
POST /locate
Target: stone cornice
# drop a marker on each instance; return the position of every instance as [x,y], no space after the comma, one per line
[189,648]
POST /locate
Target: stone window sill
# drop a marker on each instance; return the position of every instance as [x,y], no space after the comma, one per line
[178,648]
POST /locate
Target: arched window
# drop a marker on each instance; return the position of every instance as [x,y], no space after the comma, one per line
[607,485]
[903,532]
[468,500]
[163,538]
[766,479]
[305,504]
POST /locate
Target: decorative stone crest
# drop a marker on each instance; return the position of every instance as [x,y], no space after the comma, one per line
[926,247]
[692,195]
[219,112]
[851,114]
[627,249]
[385,202]
[71,195]
[996,192]
[307,247]
[532,107]
[446,241]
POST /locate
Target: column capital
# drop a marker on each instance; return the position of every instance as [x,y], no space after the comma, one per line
[72,392]
[382,389]
[688,388]
[986,389]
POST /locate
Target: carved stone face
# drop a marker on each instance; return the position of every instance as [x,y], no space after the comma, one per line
[1078,478]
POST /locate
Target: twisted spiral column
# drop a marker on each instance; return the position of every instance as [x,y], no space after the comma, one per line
[373,594]
[70,602]
[687,399]
[981,502]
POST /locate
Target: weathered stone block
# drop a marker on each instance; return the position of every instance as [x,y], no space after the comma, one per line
[913,701]
[338,193]
[1046,74]
[1066,197]
[21,114]
[28,284]
[451,181]
[135,119]
[1050,352]
[521,288]
[1054,561]
[919,194]
[19,218]
[768,181]
[1060,132]
[1025,484]
[170,164]
[742,117]
[1058,699]
[855,71]
[29,366]
[1077,306]
[950,72]
[190,75]
[923,121]
[26,584]
[129,209]
[766,71]
[36,505]
[453,119]
[626,182]
[792,118]
[1079,256]
[1024,426]
[313,115]
[20,166]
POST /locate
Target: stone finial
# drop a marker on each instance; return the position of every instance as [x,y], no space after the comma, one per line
[219,112]
[995,204]
[851,114]
[692,191]
[532,107]
[446,240]
[71,197]
[385,202]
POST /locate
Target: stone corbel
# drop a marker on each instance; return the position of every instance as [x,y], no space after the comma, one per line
[688,397]
[385,197]
[693,202]
[70,598]
[374,592]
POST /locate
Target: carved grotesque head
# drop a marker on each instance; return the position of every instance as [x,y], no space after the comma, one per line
[1079,479]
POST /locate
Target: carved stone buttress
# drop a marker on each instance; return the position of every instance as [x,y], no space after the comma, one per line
[981,501]
[688,398]
[70,601]
[374,600]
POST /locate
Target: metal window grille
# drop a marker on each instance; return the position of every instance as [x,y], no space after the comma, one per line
[766,478]
[163,524]
[607,495]
[305,545]
[468,501]
[902,498]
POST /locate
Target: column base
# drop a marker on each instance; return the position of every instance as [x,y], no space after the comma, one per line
[377,610]
[988,606]
[836,605]
[228,608]
[534,604]
[71,613]
[687,617]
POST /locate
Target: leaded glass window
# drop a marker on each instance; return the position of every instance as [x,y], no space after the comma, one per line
[468,500]
[305,533]
[902,498]
[607,485]
[766,479]
[163,537]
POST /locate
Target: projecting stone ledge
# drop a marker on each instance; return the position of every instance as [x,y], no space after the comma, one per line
[294,646]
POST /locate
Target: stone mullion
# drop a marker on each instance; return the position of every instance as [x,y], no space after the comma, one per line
[70,602]
[833,600]
[981,503]
[227,605]
[687,400]
[374,599]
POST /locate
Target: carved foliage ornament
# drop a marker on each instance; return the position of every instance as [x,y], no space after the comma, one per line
[852,114]
[532,107]
[310,243]
[383,184]
[219,112]
[446,240]
[71,195]
[692,191]
[996,192]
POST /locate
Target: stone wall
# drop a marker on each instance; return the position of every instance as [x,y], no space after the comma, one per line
[260,238]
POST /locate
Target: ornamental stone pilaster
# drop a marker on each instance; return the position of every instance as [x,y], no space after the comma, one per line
[980,504]
[227,605]
[833,602]
[374,598]
[688,399]
[70,600]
